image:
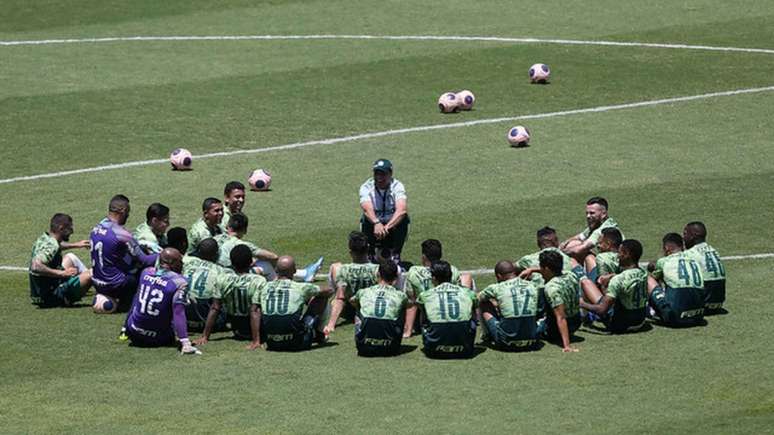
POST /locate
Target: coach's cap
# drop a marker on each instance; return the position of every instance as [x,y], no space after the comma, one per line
[383,165]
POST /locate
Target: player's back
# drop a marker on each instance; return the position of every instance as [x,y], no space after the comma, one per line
[283,303]
[517,301]
[203,277]
[150,316]
[630,291]
[684,290]
[607,262]
[713,273]
[449,310]
[418,280]
[533,260]
[357,276]
[237,291]
[382,309]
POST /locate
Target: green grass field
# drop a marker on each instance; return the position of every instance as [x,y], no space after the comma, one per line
[80,105]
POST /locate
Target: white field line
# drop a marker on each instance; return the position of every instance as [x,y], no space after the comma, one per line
[399,131]
[479,271]
[385,38]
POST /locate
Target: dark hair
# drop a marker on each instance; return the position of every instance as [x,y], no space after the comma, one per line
[241,257]
[232,186]
[697,229]
[177,238]
[597,200]
[504,267]
[634,248]
[118,204]
[672,238]
[209,202]
[552,260]
[441,271]
[208,249]
[613,235]
[388,270]
[156,210]
[358,242]
[59,220]
[545,231]
[432,249]
[238,222]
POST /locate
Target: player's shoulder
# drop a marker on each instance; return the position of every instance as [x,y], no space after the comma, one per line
[397,185]
[417,270]
[368,184]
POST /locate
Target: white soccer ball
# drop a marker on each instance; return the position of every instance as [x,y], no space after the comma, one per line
[539,73]
[466,99]
[448,103]
[104,304]
[518,136]
[259,180]
[181,159]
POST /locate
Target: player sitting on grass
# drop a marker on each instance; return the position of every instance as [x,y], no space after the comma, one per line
[289,311]
[547,240]
[622,307]
[233,199]
[510,309]
[209,225]
[449,330]
[676,289]
[55,280]
[419,279]
[561,293]
[712,270]
[116,257]
[602,267]
[236,229]
[380,312]
[581,245]
[235,295]
[204,279]
[152,234]
[158,309]
[349,278]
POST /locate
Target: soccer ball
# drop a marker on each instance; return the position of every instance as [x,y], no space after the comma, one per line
[259,180]
[448,103]
[518,136]
[181,159]
[104,304]
[466,99]
[539,73]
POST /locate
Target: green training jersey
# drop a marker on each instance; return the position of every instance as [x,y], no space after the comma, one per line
[595,235]
[239,292]
[46,249]
[607,262]
[381,302]
[707,257]
[204,277]
[533,260]
[679,270]
[515,298]
[284,296]
[148,240]
[448,303]
[200,231]
[563,290]
[418,280]
[629,289]
[356,276]
[227,242]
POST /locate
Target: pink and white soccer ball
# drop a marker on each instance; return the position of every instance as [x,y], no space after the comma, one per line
[518,136]
[259,180]
[539,73]
[104,304]
[466,99]
[448,102]
[181,159]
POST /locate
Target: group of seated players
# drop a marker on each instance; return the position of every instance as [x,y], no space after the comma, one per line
[209,279]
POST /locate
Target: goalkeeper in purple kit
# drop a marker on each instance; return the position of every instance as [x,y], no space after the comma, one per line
[157,314]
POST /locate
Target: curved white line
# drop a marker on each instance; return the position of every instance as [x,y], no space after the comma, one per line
[398,131]
[386,38]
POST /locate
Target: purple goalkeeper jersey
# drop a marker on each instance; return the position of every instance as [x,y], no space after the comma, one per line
[114,253]
[158,308]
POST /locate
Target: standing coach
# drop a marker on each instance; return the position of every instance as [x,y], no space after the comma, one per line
[385,219]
